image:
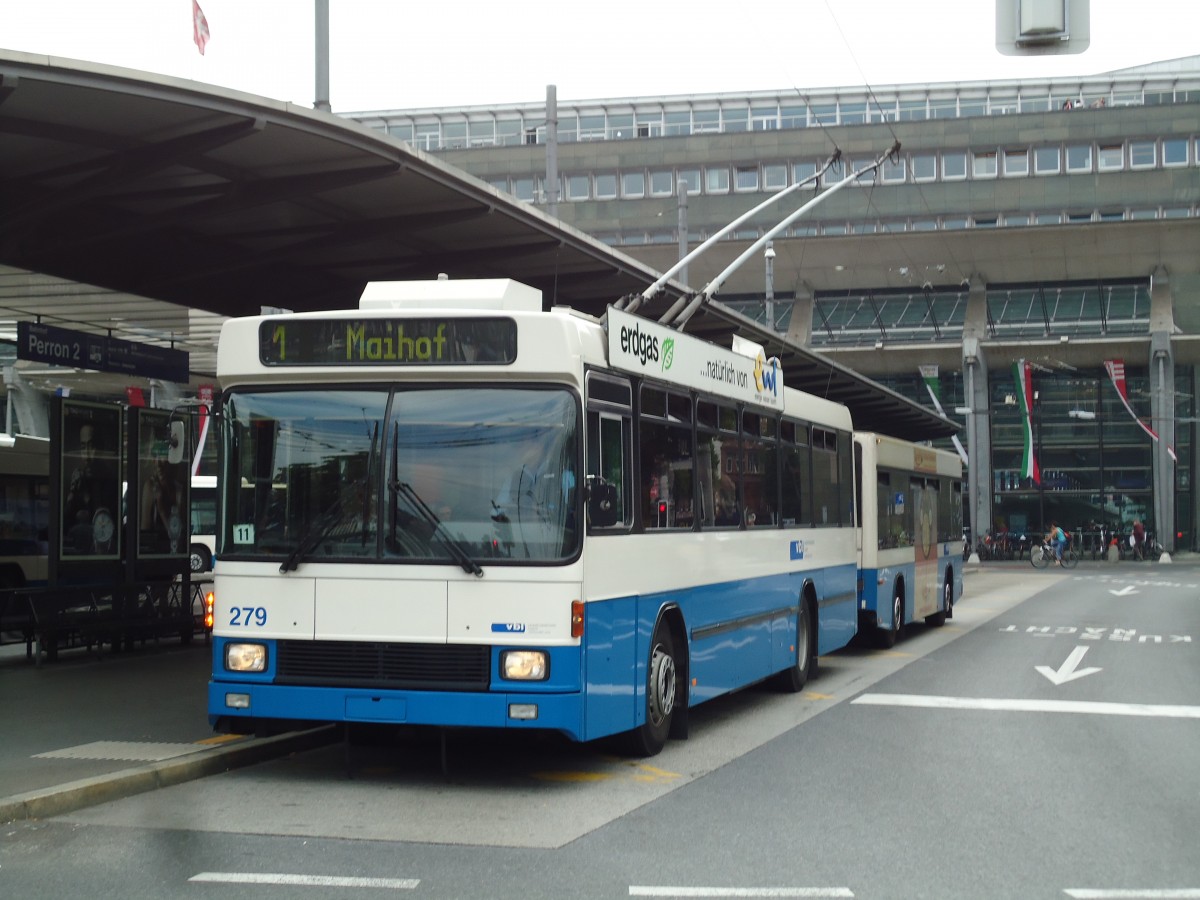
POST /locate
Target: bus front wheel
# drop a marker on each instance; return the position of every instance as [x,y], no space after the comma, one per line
[199,559]
[650,737]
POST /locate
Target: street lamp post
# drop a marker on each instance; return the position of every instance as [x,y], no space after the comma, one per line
[769,258]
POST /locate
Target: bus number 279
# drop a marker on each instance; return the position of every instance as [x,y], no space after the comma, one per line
[247,616]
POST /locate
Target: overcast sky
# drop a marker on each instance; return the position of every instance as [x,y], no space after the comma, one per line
[401,54]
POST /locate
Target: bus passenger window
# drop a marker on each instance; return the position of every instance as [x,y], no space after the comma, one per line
[825,477]
[667,489]
[760,473]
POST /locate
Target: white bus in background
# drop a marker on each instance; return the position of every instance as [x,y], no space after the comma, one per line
[24,510]
[204,523]
[452,508]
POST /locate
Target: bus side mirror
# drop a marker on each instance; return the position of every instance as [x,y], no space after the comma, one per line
[602,503]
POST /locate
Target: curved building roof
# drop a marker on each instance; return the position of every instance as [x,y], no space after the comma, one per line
[185,197]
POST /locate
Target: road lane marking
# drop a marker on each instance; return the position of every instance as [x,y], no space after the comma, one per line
[640,890]
[995,704]
[1134,894]
[123,751]
[281,878]
[1069,670]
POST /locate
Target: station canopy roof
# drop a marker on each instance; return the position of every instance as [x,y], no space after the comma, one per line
[185,203]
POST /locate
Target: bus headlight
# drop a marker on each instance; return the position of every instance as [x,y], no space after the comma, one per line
[524,665]
[245,657]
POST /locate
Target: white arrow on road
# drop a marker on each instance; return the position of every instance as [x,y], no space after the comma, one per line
[1067,671]
[1125,591]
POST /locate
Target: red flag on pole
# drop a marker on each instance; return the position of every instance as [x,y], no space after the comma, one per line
[199,27]
[206,396]
[1116,372]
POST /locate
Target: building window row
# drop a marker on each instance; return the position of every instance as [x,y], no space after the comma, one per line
[918,167]
[634,237]
[452,131]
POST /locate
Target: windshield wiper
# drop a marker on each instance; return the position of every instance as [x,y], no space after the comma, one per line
[313,536]
[464,559]
[322,527]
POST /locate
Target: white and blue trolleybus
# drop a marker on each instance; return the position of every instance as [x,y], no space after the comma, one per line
[452,508]
[910,499]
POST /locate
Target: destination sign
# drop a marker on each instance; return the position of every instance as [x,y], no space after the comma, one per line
[387,342]
[64,347]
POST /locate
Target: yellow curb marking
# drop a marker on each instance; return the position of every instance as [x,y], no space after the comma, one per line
[220,739]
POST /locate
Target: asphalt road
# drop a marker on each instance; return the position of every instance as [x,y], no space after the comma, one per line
[1045,743]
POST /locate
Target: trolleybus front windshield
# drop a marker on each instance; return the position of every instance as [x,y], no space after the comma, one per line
[470,475]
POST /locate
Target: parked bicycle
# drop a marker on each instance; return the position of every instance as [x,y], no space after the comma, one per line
[1042,555]
[1149,549]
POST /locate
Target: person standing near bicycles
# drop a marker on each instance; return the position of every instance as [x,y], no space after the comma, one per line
[1059,539]
[1139,539]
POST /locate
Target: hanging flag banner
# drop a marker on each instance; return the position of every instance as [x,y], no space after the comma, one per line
[199,27]
[929,374]
[1023,376]
[1116,372]
[206,396]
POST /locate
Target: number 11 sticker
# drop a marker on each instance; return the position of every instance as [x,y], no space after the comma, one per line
[243,533]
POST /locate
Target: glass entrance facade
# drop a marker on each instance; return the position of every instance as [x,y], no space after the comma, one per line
[1095,460]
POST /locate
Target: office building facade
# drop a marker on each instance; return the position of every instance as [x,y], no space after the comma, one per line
[1042,233]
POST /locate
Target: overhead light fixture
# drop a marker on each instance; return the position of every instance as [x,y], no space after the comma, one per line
[1085,414]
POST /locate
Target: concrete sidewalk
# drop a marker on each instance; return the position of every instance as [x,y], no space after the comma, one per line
[96,726]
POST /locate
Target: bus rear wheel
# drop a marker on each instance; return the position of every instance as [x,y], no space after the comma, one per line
[650,737]
[886,637]
[793,679]
[939,618]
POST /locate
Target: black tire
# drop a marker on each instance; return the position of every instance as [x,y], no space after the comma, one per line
[886,637]
[1070,559]
[793,679]
[1039,556]
[650,737]
[199,559]
[938,619]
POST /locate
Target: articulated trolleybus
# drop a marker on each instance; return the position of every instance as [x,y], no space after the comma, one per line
[452,508]
[910,506]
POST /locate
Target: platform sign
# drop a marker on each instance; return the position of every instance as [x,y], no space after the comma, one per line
[64,347]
